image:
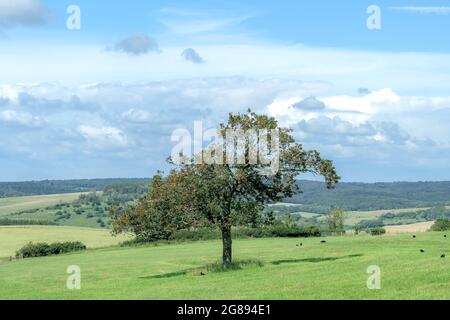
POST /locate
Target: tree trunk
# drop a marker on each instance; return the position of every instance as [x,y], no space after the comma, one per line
[227,243]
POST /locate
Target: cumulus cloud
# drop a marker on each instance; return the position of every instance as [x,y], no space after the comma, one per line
[111,125]
[21,118]
[103,137]
[191,55]
[335,131]
[138,116]
[15,13]
[137,44]
[378,126]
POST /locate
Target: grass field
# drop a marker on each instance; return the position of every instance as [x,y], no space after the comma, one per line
[354,217]
[13,238]
[334,270]
[17,204]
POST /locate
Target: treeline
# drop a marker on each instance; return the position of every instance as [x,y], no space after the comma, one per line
[375,196]
[17,222]
[30,188]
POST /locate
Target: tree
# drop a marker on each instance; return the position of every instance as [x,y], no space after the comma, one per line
[336,220]
[226,193]
[357,229]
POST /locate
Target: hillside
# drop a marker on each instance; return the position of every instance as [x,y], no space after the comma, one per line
[376,196]
[46,187]
[315,197]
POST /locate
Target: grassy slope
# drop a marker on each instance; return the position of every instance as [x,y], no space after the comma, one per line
[12,238]
[335,270]
[16,204]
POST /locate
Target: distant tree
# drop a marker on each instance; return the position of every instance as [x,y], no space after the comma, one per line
[376,231]
[336,220]
[357,229]
[222,194]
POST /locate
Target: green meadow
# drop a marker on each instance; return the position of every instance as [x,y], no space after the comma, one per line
[14,237]
[17,204]
[336,269]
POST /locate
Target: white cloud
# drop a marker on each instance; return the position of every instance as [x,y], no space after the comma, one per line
[22,118]
[379,124]
[22,13]
[123,123]
[103,137]
[139,116]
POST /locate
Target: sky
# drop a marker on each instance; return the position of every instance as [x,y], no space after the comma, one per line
[99,94]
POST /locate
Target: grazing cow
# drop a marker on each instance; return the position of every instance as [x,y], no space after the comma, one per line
[414,236]
[443,256]
[421,250]
[323,241]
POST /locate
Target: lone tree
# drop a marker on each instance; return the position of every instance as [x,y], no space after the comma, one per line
[336,221]
[205,190]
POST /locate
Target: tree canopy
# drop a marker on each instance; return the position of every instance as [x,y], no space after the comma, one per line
[225,193]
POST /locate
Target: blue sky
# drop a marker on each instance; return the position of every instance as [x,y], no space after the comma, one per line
[103,101]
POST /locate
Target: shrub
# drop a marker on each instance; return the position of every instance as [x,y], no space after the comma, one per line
[44,249]
[377,231]
[441,225]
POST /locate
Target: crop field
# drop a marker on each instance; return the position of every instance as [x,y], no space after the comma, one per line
[410,228]
[17,204]
[336,269]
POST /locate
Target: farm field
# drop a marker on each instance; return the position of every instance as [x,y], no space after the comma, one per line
[410,228]
[14,237]
[16,204]
[354,217]
[333,270]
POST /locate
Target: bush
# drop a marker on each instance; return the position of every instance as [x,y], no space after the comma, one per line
[441,225]
[377,231]
[44,249]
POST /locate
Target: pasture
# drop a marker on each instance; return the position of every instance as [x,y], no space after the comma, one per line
[14,237]
[12,205]
[336,269]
